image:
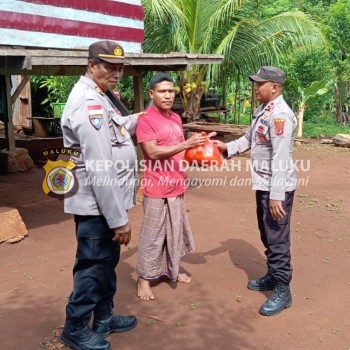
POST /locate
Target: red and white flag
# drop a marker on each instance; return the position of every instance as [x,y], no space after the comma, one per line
[95,110]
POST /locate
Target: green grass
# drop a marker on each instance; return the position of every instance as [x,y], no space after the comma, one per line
[317,127]
[244,119]
[314,130]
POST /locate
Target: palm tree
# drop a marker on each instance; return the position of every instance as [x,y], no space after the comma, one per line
[222,27]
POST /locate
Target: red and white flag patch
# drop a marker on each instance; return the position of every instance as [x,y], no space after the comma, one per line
[95,109]
[95,116]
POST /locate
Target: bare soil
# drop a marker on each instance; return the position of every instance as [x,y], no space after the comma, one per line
[216,310]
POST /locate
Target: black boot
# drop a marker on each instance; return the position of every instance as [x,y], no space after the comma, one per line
[280,299]
[79,336]
[268,282]
[106,322]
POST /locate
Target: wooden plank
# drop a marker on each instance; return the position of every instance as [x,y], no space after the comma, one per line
[23,51]
[19,89]
[9,131]
[38,61]
[15,62]
[58,61]
[130,57]
[75,70]
[212,109]
[140,61]
[43,125]
[221,129]
[170,61]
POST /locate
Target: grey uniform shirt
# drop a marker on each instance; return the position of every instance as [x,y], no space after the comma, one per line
[270,138]
[105,167]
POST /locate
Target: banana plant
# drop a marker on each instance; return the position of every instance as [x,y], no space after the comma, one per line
[316,88]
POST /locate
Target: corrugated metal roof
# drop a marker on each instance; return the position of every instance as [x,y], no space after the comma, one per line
[71,24]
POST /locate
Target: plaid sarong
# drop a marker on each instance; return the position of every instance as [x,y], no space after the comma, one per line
[165,237]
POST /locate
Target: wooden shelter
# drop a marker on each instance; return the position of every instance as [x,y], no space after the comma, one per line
[27,61]
[51,37]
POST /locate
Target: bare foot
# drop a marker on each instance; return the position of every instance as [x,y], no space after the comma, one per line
[144,290]
[183,278]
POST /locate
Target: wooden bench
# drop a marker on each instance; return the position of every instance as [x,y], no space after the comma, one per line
[45,127]
[225,132]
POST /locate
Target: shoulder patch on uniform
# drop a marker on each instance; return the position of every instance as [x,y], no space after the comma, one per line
[279,126]
[95,116]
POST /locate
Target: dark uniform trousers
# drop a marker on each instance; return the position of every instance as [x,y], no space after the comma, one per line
[275,235]
[95,279]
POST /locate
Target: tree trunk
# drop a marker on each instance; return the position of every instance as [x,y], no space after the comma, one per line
[300,117]
[338,109]
[239,107]
[253,103]
[224,99]
[235,121]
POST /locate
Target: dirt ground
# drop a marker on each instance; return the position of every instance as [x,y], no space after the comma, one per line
[215,311]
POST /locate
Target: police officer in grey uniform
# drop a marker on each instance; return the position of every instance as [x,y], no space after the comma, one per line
[270,138]
[104,171]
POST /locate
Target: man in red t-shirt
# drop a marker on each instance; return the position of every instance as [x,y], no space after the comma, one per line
[165,233]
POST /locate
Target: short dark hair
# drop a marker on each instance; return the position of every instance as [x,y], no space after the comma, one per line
[96,60]
[158,78]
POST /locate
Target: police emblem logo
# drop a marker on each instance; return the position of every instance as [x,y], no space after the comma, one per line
[96,121]
[279,126]
[59,179]
[118,51]
[95,116]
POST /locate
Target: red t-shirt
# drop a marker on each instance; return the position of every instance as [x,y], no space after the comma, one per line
[162,178]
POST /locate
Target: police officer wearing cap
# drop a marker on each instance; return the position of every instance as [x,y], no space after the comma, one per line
[104,172]
[270,138]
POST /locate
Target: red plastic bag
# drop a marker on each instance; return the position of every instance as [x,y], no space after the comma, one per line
[207,154]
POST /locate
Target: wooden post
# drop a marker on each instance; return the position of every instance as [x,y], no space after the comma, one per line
[138,93]
[9,131]
[139,106]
